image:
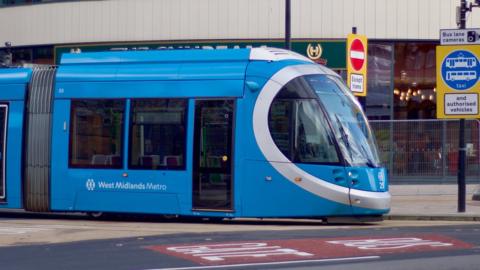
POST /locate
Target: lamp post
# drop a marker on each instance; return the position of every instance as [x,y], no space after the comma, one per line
[462,21]
[461,133]
[288,43]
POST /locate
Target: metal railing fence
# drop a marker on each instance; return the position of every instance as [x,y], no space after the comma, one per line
[426,151]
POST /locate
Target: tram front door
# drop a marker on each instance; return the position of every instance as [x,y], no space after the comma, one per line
[212,156]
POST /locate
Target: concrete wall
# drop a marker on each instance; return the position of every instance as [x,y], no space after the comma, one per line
[146,20]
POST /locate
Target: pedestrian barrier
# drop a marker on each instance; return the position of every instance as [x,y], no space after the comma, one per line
[426,151]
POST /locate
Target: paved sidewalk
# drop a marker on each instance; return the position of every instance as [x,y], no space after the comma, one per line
[431,202]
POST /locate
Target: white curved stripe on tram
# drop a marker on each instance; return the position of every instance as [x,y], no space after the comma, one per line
[317,186]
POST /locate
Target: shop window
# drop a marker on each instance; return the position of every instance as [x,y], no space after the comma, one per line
[158,134]
[414,81]
[379,81]
[42,55]
[21,2]
[96,133]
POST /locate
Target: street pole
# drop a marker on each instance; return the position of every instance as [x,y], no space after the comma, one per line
[288,43]
[461,133]
[361,100]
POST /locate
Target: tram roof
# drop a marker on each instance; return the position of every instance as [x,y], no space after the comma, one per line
[15,75]
[220,64]
[179,56]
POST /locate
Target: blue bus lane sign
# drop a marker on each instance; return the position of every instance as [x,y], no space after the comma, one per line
[458,71]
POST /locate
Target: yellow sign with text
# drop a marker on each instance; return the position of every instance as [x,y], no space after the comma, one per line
[458,72]
[357,64]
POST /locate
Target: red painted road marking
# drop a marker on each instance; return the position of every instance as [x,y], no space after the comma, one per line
[222,252]
[357,54]
[306,249]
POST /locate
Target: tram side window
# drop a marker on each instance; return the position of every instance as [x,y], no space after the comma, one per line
[158,134]
[298,126]
[96,133]
[280,123]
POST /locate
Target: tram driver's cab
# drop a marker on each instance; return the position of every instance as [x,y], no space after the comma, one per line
[319,138]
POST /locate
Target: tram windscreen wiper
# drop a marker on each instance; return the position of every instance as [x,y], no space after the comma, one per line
[344,136]
[369,161]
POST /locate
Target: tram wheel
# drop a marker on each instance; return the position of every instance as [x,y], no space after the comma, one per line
[170,217]
[96,215]
[215,219]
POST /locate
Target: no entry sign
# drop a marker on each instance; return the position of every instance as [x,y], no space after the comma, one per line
[357,54]
[357,64]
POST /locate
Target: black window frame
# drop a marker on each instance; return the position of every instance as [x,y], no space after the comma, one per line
[181,167]
[3,193]
[309,95]
[122,139]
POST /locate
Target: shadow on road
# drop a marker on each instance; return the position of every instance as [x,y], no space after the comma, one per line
[320,221]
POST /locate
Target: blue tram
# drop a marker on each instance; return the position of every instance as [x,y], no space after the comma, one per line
[213,133]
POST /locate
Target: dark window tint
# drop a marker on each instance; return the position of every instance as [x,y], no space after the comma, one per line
[3,133]
[296,89]
[280,125]
[212,160]
[96,133]
[23,2]
[313,143]
[299,127]
[158,138]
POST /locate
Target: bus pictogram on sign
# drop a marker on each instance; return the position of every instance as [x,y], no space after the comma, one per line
[461,62]
[460,70]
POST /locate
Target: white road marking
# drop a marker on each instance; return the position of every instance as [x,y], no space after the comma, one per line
[220,252]
[389,243]
[20,230]
[15,229]
[272,263]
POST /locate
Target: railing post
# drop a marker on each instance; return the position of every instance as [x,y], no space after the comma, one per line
[390,142]
[444,151]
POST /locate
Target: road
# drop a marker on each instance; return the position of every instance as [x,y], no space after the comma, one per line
[73,242]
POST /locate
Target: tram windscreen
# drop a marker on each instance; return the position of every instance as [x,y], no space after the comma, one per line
[352,132]
[298,126]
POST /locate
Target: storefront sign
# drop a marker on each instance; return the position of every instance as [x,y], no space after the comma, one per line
[331,53]
[357,64]
[458,72]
